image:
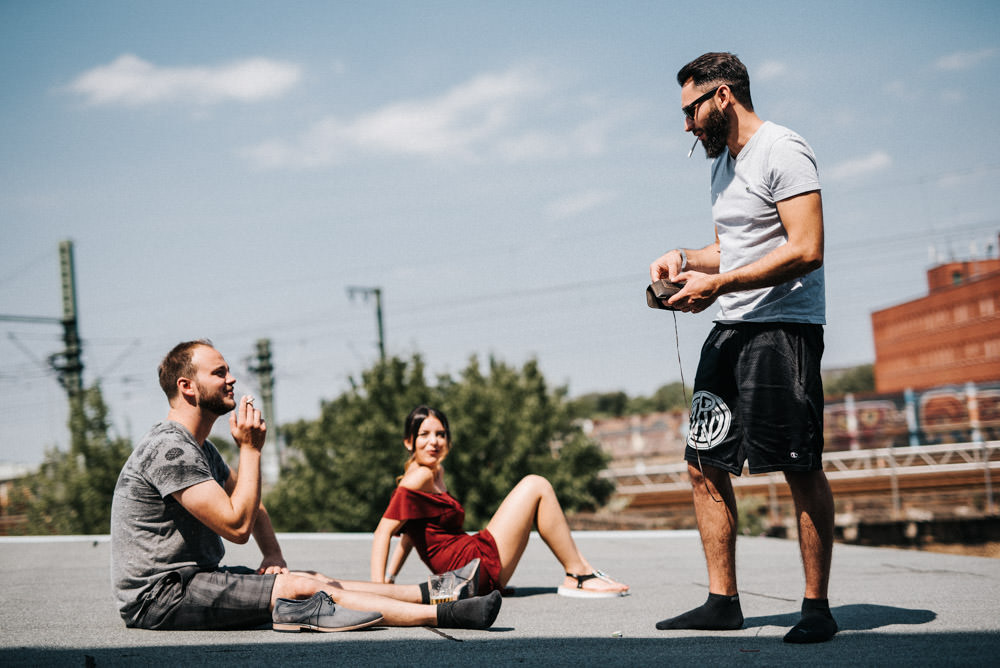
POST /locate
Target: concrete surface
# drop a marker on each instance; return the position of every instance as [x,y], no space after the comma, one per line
[894,607]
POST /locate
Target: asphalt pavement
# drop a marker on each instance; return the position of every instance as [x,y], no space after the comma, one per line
[894,607]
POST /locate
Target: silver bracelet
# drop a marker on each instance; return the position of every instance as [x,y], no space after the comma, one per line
[684,258]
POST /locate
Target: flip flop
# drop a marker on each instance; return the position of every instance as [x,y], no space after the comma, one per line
[580,592]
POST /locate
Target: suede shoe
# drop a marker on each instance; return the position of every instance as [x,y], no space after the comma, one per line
[319,613]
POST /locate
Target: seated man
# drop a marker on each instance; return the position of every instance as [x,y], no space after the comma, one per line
[176,499]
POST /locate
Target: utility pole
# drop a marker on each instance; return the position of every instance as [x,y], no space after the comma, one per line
[365,293]
[264,369]
[68,363]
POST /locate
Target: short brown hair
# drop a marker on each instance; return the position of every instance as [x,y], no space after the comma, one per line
[177,364]
[718,69]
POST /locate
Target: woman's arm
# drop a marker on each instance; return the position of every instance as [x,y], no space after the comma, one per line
[399,556]
[380,546]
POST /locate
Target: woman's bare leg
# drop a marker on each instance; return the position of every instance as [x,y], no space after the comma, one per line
[400,592]
[533,502]
[470,613]
[394,612]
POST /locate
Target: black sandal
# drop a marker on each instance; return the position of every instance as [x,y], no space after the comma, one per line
[580,592]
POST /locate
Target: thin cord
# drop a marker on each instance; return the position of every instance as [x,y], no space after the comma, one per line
[684,393]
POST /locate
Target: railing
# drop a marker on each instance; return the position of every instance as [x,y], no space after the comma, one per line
[894,463]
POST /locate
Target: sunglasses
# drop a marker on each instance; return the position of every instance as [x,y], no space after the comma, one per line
[691,109]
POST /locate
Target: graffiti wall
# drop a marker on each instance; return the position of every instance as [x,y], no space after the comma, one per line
[951,414]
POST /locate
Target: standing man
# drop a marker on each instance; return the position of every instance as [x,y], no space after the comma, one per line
[758,396]
[176,500]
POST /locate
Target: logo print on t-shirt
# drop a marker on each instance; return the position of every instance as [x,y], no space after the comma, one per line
[710,420]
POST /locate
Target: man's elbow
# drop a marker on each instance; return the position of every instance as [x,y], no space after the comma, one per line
[809,258]
[238,533]
[240,538]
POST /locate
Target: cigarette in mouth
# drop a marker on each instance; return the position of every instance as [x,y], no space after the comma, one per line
[692,147]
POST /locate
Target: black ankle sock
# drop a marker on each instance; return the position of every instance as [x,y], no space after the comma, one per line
[816,625]
[718,613]
[469,613]
[425,593]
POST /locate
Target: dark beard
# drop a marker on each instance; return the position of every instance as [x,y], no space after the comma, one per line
[217,404]
[715,131]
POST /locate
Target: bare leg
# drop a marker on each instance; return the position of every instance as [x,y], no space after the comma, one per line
[534,502]
[715,510]
[395,612]
[717,526]
[471,613]
[400,592]
[814,512]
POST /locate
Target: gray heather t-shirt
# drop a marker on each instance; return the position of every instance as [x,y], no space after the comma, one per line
[775,164]
[151,533]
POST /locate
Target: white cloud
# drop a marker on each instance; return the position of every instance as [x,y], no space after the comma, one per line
[578,203]
[134,82]
[857,167]
[513,116]
[457,123]
[964,60]
[770,70]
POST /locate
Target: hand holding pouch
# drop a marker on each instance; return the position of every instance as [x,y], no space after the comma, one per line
[659,292]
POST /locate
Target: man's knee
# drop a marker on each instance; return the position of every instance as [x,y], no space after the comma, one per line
[699,475]
[293,585]
[808,483]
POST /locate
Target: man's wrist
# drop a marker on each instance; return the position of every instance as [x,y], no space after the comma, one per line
[684,258]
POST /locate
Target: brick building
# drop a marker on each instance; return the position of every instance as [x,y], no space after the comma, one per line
[951,336]
[655,438]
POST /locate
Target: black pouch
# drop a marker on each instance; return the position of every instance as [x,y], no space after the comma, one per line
[659,292]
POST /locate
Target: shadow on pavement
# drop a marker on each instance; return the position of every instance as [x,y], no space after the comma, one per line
[911,649]
[854,617]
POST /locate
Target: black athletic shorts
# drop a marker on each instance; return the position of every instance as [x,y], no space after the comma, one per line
[758,398]
[232,597]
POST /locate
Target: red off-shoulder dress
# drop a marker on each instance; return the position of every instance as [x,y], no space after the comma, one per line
[434,524]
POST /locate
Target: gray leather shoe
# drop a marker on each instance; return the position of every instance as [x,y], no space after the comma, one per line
[319,613]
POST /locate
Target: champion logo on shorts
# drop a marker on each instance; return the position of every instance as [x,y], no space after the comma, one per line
[710,420]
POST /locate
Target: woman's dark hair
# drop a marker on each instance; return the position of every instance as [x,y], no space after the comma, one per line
[417,417]
[717,69]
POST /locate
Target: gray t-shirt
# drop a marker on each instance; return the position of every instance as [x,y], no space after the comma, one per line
[151,533]
[774,165]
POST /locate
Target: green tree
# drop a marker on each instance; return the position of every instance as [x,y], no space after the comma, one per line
[668,397]
[71,492]
[857,379]
[341,468]
[599,404]
[505,424]
[617,404]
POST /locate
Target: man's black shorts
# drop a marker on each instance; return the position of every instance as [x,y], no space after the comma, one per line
[758,398]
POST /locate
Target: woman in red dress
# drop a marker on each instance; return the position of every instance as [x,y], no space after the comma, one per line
[431,520]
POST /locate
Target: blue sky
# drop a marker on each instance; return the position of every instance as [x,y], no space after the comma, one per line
[503,171]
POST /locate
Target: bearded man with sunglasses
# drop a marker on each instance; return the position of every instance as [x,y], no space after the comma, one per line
[758,396]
